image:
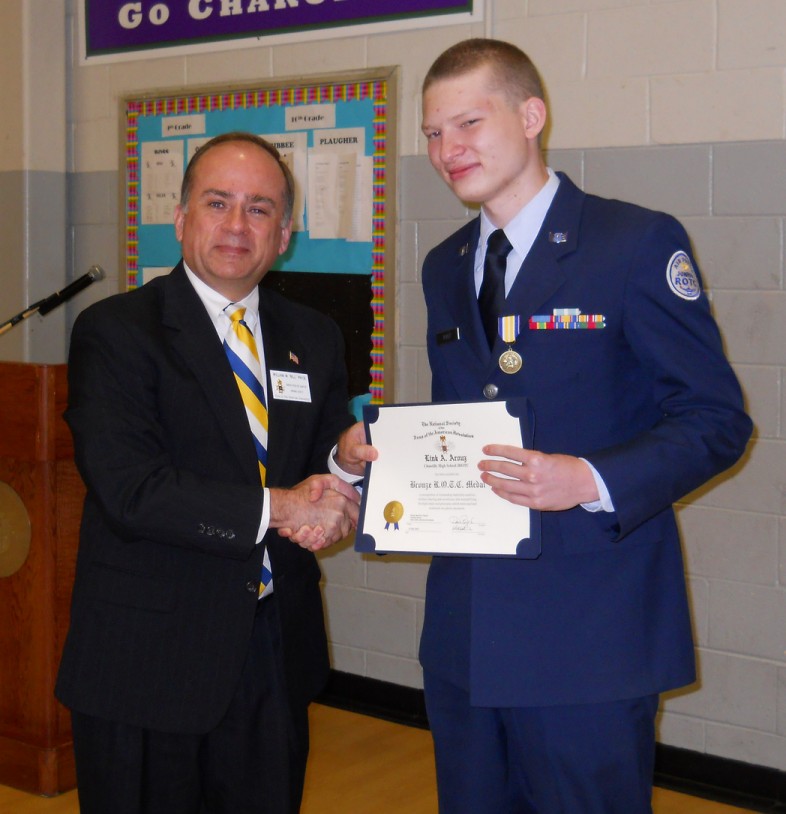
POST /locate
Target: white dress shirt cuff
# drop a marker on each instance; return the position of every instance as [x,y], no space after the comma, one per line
[264,522]
[335,469]
[604,503]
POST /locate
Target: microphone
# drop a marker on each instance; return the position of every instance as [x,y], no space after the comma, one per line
[59,297]
[53,300]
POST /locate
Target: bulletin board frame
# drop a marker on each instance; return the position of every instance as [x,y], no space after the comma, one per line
[368,98]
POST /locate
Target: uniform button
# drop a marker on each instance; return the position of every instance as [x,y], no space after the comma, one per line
[252,587]
[490,391]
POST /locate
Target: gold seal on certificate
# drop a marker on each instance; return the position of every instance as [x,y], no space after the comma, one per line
[392,513]
[510,361]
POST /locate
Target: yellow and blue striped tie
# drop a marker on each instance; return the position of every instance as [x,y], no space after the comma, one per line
[241,350]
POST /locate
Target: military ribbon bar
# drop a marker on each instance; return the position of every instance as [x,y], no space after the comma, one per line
[566,319]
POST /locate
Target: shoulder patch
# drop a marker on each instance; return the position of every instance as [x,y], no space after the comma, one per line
[682,277]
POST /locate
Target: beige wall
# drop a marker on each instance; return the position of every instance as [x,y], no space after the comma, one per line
[619,72]
[32,173]
[679,105]
[11,89]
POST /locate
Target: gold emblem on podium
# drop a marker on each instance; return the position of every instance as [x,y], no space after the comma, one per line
[14,531]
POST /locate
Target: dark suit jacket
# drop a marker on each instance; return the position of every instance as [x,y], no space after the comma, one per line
[649,400]
[168,566]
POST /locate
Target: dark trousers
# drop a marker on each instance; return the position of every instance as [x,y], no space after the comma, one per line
[581,759]
[253,762]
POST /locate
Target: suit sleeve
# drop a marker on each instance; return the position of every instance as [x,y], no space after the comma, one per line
[702,428]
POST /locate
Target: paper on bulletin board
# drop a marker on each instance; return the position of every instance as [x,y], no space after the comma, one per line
[162,172]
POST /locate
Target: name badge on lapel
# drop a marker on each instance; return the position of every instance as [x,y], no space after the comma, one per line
[288,386]
[451,335]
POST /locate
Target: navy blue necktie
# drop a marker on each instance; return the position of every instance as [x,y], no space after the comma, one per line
[491,297]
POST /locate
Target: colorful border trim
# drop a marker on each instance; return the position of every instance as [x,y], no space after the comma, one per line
[376,90]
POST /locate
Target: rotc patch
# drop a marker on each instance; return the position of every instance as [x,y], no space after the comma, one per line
[682,277]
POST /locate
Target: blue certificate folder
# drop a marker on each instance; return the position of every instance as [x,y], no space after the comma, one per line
[401,521]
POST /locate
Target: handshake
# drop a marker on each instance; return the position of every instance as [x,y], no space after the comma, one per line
[323,509]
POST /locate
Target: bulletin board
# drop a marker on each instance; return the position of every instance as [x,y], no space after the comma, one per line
[337,137]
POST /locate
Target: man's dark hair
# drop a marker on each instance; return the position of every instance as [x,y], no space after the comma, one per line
[250,138]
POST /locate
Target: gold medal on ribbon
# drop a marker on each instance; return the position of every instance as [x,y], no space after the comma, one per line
[510,361]
[509,327]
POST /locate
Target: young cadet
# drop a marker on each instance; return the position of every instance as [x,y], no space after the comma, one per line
[542,676]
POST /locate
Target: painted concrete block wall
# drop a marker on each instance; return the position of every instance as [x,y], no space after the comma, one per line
[32,174]
[733,528]
[11,96]
[675,104]
[12,182]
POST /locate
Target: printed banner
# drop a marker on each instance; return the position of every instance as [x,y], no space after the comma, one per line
[116,26]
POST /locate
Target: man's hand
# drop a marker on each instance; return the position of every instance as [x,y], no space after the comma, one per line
[353,452]
[315,513]
[537,480]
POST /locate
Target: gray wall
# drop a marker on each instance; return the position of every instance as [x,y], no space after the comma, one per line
[734,529]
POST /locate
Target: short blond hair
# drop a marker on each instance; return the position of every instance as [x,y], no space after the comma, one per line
[512,70]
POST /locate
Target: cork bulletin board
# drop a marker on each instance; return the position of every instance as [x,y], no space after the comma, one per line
[337,136]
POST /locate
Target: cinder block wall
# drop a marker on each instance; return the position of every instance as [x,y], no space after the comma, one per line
[32,174]
[734,528]
[675,105]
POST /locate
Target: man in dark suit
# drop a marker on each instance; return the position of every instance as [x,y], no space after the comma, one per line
[542,676]
[188,691]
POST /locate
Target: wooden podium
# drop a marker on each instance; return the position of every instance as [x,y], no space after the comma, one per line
[39,481]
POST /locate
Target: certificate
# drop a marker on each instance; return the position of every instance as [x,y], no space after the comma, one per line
[424,494]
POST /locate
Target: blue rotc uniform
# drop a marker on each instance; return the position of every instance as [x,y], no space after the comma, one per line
[623,365]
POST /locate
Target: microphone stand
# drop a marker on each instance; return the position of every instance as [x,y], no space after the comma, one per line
[22,315]
[51,302]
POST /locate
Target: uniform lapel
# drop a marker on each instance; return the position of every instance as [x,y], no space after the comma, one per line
[461,297]
[541,274]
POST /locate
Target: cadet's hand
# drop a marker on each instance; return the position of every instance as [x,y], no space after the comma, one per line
[537,480]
